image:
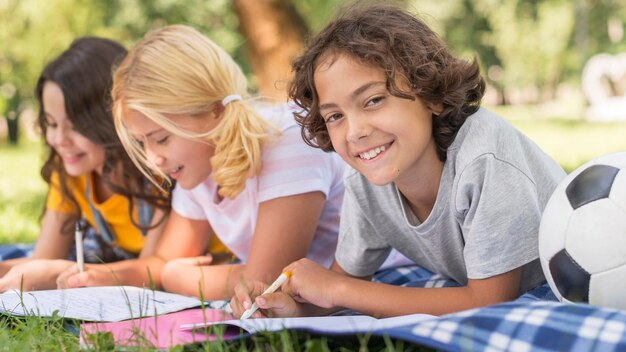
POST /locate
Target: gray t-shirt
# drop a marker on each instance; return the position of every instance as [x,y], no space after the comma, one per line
[494,187]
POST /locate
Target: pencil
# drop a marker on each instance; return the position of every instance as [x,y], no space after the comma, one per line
[80,259]
[273,287]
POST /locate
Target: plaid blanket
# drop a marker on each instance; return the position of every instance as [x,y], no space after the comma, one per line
[94,249]
[13,251]
[536,321]
[521,326]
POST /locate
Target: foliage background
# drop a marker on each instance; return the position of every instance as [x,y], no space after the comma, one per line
[531,51]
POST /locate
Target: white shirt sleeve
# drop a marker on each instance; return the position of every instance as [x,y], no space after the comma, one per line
[185,203]
[291,167]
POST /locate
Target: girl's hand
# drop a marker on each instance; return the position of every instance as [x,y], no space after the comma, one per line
[37,274]
[271,305]
[93,275]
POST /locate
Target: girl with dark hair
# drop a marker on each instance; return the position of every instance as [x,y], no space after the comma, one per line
[447,183]
[91,179]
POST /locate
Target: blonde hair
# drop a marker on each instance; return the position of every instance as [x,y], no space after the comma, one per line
[178,71]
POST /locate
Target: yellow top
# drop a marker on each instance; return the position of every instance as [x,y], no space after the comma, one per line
[114,211]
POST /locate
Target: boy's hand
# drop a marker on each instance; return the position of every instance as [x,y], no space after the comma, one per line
[272,305]
[311,283]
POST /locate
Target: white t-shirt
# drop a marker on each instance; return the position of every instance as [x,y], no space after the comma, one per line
[289,167]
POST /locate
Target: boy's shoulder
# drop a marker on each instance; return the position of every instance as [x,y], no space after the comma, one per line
[484,132]
[486,137]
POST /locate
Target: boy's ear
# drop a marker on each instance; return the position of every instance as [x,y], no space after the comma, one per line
[436,109]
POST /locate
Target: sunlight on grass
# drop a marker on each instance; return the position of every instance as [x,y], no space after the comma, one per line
[22,192]
[570,140]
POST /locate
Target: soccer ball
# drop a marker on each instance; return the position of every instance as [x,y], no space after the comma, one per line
[582,237]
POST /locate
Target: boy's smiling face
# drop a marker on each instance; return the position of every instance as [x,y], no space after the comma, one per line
[386,138]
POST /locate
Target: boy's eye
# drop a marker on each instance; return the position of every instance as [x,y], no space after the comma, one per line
[374,101]
[162,140]
[51,124]
[332,117]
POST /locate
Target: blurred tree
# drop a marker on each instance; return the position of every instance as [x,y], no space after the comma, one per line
[523,45]
[275,33]
[27,43]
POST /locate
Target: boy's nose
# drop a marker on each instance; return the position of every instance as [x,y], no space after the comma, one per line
[357,130]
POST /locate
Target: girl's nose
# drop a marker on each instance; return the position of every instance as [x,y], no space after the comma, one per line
[61,135]
[154,158]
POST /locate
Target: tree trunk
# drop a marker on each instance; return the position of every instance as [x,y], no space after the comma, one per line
[274,33]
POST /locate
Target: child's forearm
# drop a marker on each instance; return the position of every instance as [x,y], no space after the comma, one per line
[209,282]
[6,265]
[140,272]
[310,310]
[382,300]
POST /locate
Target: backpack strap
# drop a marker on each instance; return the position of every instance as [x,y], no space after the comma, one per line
[145,212]
[103,227]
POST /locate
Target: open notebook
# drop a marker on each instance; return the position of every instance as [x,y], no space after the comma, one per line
[340,324]
[104,303]
[162,331]
[197,325]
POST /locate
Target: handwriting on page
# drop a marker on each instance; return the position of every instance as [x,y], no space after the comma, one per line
[110,303]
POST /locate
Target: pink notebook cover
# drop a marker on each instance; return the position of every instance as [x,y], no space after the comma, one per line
[161,332]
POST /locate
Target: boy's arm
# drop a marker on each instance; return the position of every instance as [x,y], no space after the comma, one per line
[330,289]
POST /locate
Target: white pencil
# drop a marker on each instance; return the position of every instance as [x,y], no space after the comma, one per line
[273,287]
[80,259]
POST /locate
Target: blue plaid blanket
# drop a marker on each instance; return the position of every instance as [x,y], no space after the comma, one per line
[536,321]
[521,326]
[13,251]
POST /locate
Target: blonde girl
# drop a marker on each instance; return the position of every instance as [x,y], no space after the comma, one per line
[242,171]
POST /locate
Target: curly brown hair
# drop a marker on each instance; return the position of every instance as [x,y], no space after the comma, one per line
[404,47]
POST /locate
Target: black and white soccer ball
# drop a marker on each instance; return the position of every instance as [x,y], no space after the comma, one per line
[582,237]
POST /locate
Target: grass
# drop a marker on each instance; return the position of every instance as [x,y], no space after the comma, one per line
[36,334]
[22,192]
[570,141]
